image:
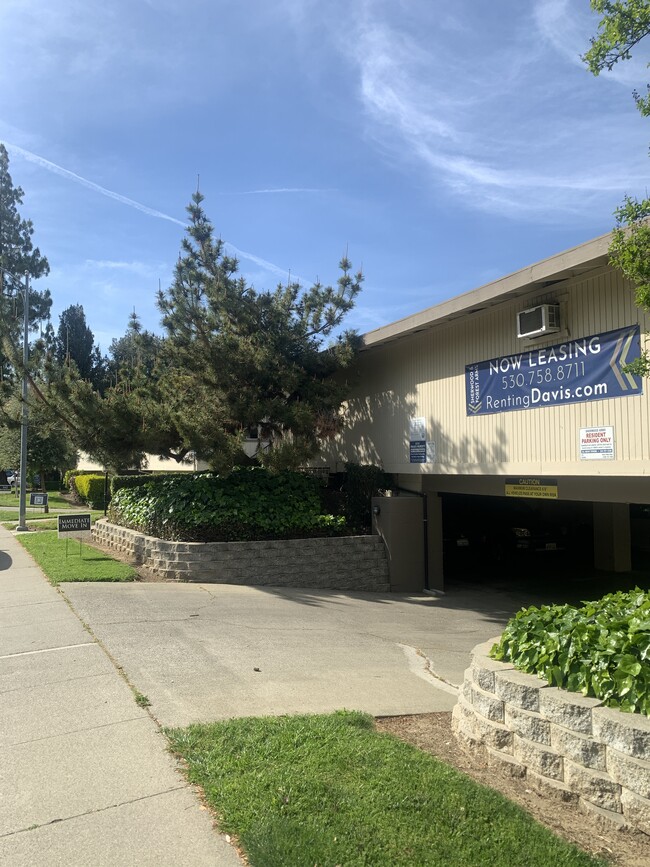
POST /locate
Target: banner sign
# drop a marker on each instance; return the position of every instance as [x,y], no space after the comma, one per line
[589,368]
[536,489]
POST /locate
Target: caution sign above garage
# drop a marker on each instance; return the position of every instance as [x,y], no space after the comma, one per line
[537,489]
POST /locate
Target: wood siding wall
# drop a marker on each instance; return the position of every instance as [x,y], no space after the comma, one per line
[424,375]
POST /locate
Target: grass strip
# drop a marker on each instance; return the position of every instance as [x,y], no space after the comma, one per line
[331,790]
[54,498]
[39,521]
[91,565]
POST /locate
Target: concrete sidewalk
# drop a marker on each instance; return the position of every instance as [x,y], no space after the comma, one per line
[85,777]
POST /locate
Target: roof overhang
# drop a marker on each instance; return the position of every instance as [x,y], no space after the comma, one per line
[563,266]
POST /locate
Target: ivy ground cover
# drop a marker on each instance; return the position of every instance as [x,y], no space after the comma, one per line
[601,649]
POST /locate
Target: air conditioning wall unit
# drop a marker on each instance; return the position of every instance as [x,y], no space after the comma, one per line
[536,321]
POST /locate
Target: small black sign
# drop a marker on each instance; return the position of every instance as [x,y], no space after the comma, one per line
[5,489]
[36,499]
[74,524]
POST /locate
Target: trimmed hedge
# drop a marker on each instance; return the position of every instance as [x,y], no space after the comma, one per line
[247,504]
[91,489]
[134,480]
[601,649]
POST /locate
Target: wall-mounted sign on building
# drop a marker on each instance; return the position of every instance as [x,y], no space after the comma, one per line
[584,369]
[417,440]
[597,443]
[537,489]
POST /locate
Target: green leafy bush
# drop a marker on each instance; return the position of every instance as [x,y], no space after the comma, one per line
[246,504]
[134,480]
[362,482]
[91,489]
[601,649]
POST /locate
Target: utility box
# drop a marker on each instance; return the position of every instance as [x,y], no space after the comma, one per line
[400,523]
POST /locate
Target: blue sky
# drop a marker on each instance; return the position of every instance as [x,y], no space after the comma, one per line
[444,144]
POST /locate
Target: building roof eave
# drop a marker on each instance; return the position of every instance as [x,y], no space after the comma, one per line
[562,266]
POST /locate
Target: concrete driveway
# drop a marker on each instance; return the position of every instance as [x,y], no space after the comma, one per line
[207,652]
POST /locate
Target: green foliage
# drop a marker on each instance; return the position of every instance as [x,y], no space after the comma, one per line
[61,562]
[75,344]
[90,488]
[135,480]
[329,789]
[601,649]
[241,359]
[246,504]
[361,484]
[629,251]
[623,24]
[17,255]
[49,447]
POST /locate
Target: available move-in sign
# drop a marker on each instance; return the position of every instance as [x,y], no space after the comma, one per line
[74,526]
[584,369]
[596,443]
[537,489]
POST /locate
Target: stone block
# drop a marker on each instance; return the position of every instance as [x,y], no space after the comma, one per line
[631,773]
[597,787]
[548,787]
[518,689]
[528,724]
[569,709]
[606,819]
[505,763]
[493,734]
[483,671]
[486,704]
[628,733]
[581,749]
[636,811]
[539,759]
[485,647]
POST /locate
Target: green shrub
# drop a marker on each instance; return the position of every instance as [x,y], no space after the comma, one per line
[601,649]
[134,480]
[246,504]
[91,489]
[362,482]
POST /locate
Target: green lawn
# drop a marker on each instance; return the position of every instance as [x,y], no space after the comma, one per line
[91,565]
[37,520]
[331,790]
[55,501]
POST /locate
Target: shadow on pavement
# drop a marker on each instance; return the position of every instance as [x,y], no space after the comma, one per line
[5,561]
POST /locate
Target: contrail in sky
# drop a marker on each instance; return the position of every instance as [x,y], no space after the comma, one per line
[151,212]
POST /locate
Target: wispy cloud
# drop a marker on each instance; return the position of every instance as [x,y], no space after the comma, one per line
[49,166]
[476,128]
[273,190]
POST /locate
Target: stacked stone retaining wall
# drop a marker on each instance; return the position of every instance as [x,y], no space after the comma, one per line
[561,742]
[338,563]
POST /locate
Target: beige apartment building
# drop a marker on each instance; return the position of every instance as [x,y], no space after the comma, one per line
[512,400]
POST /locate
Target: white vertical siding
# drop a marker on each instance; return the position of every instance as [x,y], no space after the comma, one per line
[424,375]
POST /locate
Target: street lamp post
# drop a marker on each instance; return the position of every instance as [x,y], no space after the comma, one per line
[22,525]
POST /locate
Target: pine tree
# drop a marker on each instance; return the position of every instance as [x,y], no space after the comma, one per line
[75,344]
[17,256]
[242,359]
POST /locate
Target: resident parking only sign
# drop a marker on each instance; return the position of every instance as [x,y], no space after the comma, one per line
[580,370]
